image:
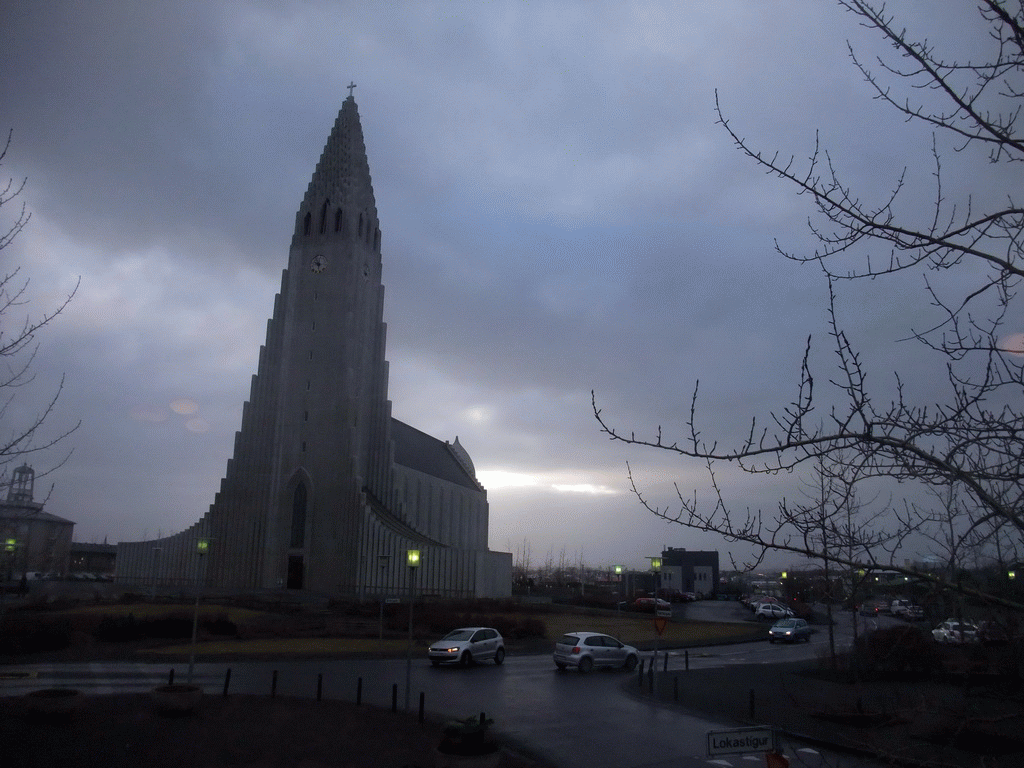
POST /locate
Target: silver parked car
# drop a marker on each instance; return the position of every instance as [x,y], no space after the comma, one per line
[468,645]
[586,650]
[953,631]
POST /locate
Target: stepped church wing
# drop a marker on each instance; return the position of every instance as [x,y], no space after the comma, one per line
[325,490]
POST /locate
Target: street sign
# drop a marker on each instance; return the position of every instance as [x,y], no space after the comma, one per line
[666,612]
[741,740]
[393,600]
[659,624]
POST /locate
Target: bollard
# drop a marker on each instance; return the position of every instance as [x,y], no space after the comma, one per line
[686,656]
[227,681]
[750,711]
[675,688]
[170,677]
[665,668]
[421,708]
[641,672]
[359,691]
[320,687]
[650,677]
[273,685]
[394,697]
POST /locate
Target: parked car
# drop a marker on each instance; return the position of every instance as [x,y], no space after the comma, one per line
[586,650]
[914,613]
[899,607]
[953,631]
[651,604]
[772,611]
[869,609]
[468,645]
[790,631]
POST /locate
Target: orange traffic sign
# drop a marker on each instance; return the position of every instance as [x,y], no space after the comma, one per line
[659,624]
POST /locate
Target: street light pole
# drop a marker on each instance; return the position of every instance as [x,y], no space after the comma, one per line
[656,567]
[382,561]
[412,558]
[202,547]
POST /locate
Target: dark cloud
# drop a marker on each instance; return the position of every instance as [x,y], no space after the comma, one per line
[560,211]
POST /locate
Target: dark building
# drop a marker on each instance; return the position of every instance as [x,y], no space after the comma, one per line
[689,571]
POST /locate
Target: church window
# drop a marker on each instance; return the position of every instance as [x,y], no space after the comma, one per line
[338,220]
[323,216]
[305,224]
[376,239]
[360,225]
[298,537]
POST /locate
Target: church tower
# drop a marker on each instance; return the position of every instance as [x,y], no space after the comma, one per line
[325,490]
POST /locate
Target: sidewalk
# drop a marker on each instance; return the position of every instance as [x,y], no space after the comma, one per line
[914,723]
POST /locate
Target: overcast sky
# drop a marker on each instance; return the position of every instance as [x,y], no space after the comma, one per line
[560,213]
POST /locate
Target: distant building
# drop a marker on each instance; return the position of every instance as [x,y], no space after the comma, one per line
[98,559]
[689,571]
[326,491]
[33,540]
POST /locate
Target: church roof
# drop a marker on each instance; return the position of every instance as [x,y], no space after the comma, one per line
[423,453]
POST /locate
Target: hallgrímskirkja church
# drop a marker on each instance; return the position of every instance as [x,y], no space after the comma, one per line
[326,491]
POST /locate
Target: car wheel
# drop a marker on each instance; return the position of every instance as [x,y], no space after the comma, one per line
[586,664]
[499,656]
[467,659]
[631,663]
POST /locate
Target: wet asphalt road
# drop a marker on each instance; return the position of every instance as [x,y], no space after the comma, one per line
[573,720]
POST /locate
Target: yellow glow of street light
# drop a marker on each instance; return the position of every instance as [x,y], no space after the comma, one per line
[655,563]
[203,546]
[413,558]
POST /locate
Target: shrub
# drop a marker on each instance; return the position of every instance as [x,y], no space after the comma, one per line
[896,649]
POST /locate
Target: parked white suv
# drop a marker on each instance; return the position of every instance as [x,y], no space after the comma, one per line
[772,611]
[899,607]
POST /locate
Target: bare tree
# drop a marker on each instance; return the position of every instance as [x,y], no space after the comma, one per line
[22,438]
[970,442]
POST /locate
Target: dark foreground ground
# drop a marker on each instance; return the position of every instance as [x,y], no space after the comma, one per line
[967,722]
[125,731]
[933,723]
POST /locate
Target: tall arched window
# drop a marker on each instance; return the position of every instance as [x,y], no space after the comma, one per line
[323,216]
[305,224]
[298,538]
[338,220]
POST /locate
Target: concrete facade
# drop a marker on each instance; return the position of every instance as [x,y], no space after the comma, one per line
[325,490]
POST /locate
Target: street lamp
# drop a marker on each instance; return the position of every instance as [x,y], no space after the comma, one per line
[412,559]
[618,573]
[202,547]
[382,561]
[656,567]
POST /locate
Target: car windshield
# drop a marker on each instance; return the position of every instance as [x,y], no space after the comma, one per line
[786,623]
[459,634]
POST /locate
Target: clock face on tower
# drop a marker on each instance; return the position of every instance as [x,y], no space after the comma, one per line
[318,264]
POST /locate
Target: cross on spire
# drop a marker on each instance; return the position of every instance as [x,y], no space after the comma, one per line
[350,86]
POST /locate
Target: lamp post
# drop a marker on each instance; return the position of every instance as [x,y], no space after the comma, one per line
[10,548]
[622,591]
[382,561]
[412,559]
[656,567]
[202,547]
